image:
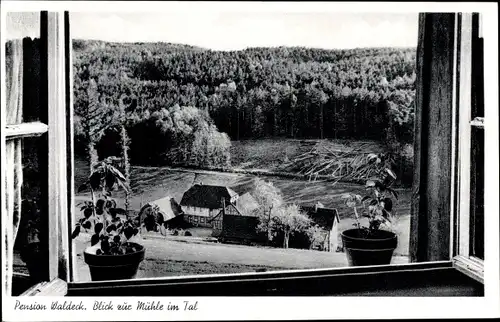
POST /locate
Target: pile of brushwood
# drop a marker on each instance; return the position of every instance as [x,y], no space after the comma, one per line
[348,162]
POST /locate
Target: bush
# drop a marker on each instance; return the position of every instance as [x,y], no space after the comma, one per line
[187,233]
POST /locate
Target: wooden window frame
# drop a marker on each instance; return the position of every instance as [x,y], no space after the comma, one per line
[60,106]
[462,260]
[54,39]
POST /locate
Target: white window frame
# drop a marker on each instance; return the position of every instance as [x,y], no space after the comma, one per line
[461,161]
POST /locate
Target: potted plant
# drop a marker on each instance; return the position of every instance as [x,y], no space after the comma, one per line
[110,256]
[369,244]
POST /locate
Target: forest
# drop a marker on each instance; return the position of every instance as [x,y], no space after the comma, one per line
[194,101]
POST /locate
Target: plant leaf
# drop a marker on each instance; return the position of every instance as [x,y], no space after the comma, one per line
[105,245]
[393,192]
[94,239]
[118,175]
[129,232]
[110,228]
[76,232]
[120,211]
[98,227]
[95,180]
[365,198]
[87,225]
[111,203]
[110,180]
[392,174]
[388,204]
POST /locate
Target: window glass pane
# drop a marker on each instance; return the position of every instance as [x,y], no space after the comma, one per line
[477,193]
[477,145]
[478,70]
[272,131]
[24,59]
[30,255]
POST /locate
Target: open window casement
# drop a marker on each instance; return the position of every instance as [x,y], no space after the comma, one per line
[55,127]
[468,201]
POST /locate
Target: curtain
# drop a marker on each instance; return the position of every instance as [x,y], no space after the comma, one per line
[13,155]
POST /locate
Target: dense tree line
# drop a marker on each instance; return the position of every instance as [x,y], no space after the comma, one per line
[256,92]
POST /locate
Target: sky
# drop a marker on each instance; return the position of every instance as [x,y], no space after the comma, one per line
[237,30]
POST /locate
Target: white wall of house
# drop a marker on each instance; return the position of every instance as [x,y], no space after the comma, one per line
[202,212]
[196,211]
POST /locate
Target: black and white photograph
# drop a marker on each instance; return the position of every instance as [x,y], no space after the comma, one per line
[217,151]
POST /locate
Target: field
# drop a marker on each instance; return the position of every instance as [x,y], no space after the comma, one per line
[197,256]
[167,257]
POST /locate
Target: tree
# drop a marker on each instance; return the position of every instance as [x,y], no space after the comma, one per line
[270,200]
[125,141]
[95,118]
[252,93]
[315,233]
[288,220]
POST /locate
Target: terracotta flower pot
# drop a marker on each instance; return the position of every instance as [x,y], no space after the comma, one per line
[114,267]
[375,250]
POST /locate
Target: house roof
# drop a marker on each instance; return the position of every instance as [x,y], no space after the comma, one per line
[206,196]
[324,217]
[168,208]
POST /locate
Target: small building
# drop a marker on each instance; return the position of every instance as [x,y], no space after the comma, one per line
[233,225]
[203,202]
[244,206]
[327,219]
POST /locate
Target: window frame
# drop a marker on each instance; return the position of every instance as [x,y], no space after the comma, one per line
[462,260]
[52,35]
[61,190]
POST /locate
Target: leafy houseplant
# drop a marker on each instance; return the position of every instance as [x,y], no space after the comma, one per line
[371,245]
[111,255]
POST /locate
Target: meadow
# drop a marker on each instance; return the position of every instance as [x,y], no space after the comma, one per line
[167,257]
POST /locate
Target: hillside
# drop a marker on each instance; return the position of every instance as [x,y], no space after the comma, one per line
[253,93]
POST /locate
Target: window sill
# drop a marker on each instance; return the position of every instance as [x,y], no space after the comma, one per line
[421,279]
[56,287]
[470,267]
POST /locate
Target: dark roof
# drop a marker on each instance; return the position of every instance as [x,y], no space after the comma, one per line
[323,217]
[205,196]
